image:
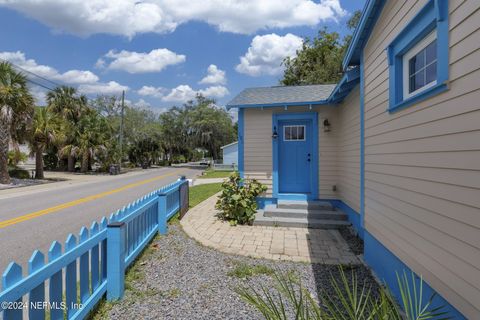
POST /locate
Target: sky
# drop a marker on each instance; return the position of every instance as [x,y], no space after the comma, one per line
[161,52]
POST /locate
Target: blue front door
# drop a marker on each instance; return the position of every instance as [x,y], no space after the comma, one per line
[295,156]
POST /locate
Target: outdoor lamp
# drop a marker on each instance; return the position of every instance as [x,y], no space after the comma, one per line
[275,134]
[326,126]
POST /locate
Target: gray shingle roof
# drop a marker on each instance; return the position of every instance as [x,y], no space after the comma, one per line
[282,94]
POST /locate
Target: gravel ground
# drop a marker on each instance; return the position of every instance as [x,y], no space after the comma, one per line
[353,240]
[177,278]
[16,183]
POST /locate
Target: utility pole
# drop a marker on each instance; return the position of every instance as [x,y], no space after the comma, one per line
[121,127]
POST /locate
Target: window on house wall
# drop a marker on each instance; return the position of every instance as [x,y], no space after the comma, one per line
[420,66]
[418,57]
[294,133]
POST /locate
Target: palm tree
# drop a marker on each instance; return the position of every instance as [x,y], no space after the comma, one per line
[46,130]
[65,102]
[92,132]
[16,109]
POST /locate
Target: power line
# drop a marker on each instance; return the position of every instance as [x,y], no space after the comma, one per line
[56,84]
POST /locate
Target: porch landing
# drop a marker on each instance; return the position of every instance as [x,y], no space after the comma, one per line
[277,243]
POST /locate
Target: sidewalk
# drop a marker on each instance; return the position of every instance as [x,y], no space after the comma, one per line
[278,243]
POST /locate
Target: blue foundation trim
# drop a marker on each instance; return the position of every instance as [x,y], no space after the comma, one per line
[264,201]
[384,264]
[353,216]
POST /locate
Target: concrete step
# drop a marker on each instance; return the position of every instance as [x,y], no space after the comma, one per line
[322,214]
[315,205]
[261,220]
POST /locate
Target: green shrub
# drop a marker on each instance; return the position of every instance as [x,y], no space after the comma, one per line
[349,300]
[237,202]
[15,157]
[19,174]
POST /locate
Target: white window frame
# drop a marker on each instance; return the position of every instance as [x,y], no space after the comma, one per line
[296,126]
[422,44]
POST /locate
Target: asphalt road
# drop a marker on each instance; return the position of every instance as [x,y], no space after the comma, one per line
[32,219]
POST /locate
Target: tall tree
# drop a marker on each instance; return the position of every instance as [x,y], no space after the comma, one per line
[65,102]
[16,109]
[47,130]
[319,61]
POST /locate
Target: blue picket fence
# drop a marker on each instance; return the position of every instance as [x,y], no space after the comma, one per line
[102,254]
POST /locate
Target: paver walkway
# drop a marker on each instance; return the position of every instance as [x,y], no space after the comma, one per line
[278,243]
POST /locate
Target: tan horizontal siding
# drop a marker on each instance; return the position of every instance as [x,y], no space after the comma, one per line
[348,145]
[422,164]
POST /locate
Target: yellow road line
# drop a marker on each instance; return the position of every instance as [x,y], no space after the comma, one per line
[73,203]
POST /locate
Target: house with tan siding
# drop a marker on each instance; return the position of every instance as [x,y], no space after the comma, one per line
[394,146]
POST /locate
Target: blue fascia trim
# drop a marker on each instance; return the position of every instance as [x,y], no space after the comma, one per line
[278,104]
[313,116]
[384,264]
[241,143]
[362,142]
[433,16]
[369,16]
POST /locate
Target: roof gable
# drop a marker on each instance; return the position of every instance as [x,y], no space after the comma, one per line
[369,17]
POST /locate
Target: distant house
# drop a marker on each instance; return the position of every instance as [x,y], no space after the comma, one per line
[230,153]
[395,144]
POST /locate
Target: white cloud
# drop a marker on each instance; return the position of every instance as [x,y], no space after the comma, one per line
[70,77]
[214,92]
[182,93]
[131,17]
[152,91]
[39,94]
[140,62]
[266,53]
[109,88]
[214,76]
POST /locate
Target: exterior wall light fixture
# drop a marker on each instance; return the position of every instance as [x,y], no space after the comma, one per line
[326,125]
[275,134]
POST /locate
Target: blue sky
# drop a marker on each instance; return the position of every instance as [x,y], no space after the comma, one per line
[162,51]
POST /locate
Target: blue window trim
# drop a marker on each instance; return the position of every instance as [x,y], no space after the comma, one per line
[314,187]
[241,124]
[433,16]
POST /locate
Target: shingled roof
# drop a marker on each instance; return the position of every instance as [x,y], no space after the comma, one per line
[268,96]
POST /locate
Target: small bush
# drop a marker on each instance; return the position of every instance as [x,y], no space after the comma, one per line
[350,299]
[237,202]
[15,157]
[19,174]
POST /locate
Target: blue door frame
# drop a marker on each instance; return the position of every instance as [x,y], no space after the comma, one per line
[308,116]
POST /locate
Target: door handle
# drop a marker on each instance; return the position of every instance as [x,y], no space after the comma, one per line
[308,157]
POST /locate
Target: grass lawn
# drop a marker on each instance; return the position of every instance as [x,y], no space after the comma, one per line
[215,174]
[202,192]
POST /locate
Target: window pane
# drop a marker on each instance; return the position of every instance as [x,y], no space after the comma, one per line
[417,62]
[431,73]
[288,133]
[301,133]
[431,52]
[417,81]
[294,133]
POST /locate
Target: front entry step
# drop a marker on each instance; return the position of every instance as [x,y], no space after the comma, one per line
[261,220]
[318,214]
[313,205]
[302,214]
